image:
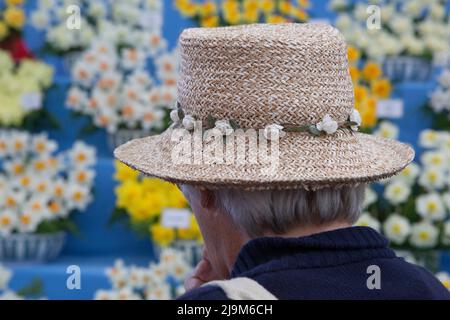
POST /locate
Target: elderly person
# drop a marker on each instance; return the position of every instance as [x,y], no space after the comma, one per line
[278,228]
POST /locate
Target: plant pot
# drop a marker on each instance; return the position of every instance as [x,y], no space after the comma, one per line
[31,247]
[191,250]
[124,135]
[405,68]
[429,259]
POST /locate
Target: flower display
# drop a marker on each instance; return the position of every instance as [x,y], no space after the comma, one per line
[32,290]
[12,18]
[116,90]
[440,101]
[159,281]
[370,87]
[444,278]
[413,28]
[40,188]
[211,13]
[22,89]
[142,200]
[123,23]
[413,207]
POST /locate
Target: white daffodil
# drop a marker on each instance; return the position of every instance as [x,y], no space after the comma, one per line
[444,79]
[429,138]
[28,223]
[396,228]
[444,278]
[432,179]
[8,222]
[434,159]
[356,118]
[430,206]
[224,127]
[387,130]
[327,125]
[397,192]
[446,233]
[188,122]
[273,132]
[152,118]
[82,155]
[366,220]
[82,176]
[41,144]
[369,198]
[5,276]
[409,174]
[424,235]
[37,207]
[78,197]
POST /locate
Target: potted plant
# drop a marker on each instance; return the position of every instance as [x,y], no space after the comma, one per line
[409,34]
[413,208]
[147,204]
[40,190]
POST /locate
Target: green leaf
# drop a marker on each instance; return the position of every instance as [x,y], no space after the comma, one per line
[34,290]
[234,124]
[117,214]
[313,130]
[211,121]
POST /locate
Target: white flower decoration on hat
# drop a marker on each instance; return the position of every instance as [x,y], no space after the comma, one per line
[273,132]
[356,118]
[327,125]
[188,122]
[224,127]
[174,116]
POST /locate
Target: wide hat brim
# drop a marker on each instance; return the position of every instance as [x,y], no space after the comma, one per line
[305,161]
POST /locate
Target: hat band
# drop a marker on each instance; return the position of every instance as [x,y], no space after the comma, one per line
[325,127]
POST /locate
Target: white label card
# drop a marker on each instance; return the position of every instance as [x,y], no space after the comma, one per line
[390,109]
[176,218]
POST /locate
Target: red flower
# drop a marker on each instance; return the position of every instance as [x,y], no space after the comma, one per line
[17,48]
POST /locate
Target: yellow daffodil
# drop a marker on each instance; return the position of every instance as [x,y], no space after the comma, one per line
[3,30]
[162,235]
[207,9]
[354,73]
[275,19]
[14,17]
[14,2]
[124,172]
[381,88]
[210,22]
[353,54]
[371,71]
[267,6]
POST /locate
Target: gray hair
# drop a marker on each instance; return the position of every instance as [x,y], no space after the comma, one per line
[279,211]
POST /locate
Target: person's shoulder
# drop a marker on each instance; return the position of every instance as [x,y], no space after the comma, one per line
[426,285]
[204,293]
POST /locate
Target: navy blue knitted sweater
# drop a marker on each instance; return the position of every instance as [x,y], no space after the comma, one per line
[328,265]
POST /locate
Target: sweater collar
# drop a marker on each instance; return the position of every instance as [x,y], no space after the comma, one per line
[324,249]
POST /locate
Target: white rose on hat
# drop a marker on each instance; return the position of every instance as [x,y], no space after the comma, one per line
[273,132]
[174,116]
[327,125]
[224,126]
[356,118]
[188,122]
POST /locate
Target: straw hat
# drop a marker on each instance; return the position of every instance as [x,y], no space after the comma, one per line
[290,82]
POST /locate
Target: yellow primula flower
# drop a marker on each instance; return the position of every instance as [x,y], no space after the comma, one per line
[251,5]
[371,71]
[188,9]
[14,17]
[353,54]
[250,16]
[233,17]
[300,14]
[4,32]
[209,22]
[162,235]
[230,6]
[285,7]
[381,88]
[124,172]
[360,92]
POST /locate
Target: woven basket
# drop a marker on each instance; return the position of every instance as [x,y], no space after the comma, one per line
[399,69]
[31,247]
[124,135]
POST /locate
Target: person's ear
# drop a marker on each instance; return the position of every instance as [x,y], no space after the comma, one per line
[207,199]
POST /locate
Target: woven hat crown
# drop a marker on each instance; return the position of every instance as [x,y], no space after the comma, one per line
[259,75]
